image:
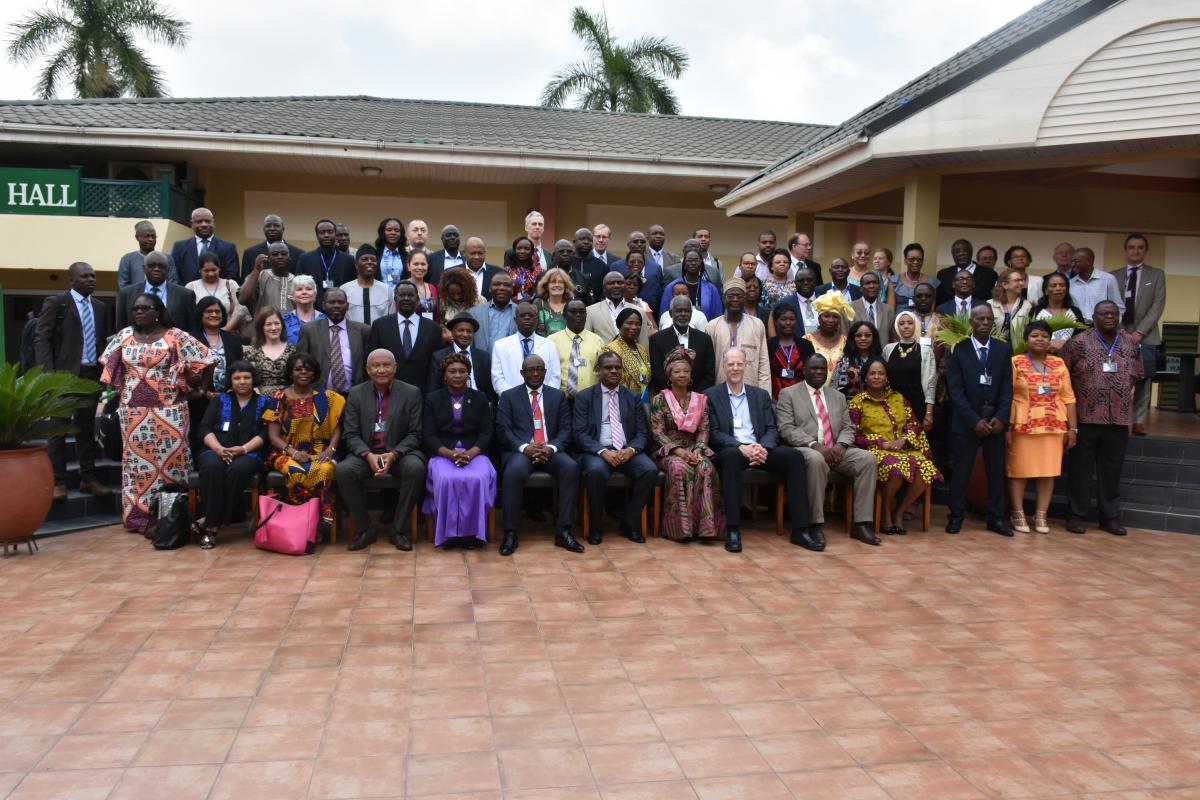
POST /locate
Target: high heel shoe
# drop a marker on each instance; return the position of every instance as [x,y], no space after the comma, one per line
[1019,523]
[1039,522]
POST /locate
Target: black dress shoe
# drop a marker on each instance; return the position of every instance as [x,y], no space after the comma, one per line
[999,526]
[400,541]
[509,545]
[1113,527]
[954,524]
[733,541]
[817,535]
[805,539]
[566,541]
[365,538]
[1076,525]
[595,537]
[863,533]
[632,534]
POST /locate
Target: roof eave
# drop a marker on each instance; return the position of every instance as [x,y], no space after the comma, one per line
[749,196]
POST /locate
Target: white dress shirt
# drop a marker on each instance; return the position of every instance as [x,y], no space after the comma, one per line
[415,319]
[508,354]
[739,404]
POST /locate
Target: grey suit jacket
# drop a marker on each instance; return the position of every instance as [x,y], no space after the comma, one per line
[130,272]
[600,322]
[403,435]
[1149,303]
[314,340]
[797,418]
[884,316]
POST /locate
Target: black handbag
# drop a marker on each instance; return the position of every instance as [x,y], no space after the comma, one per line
[170,525]
[108,430]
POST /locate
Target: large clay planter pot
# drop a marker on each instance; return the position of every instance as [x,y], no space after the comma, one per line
[28,481]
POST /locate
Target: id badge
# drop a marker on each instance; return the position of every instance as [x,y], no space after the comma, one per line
[1045,391]
[381,426]
[737,423]
[985,380]
[1110,367]
[225,427]
[537,424]
[330,285]
[579,362]
[787,374]
[926,341]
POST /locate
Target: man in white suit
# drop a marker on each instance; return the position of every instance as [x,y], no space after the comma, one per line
[511,351]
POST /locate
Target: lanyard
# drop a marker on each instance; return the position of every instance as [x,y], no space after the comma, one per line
[329,266]
[737,406]
[537,401]
[378,406]
[1033,366]
[788,353]
[1107,350]
[924,323]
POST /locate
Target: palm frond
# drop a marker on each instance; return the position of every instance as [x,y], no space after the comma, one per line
[133,71]
[1057,322]
[51,74]
[657,54]
[576,78]
[952,329]
[145,17]
[592,31]
[35,33]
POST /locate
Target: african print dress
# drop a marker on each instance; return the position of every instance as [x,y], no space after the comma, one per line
[307,425]
[635,367]
[153,380]
[692,506]
[879,421]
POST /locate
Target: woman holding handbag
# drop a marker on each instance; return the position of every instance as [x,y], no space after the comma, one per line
[233,436]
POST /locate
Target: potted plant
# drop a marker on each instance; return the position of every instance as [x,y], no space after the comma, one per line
[33,406]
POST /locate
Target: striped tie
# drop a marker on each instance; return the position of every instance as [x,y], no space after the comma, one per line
[89,333]
[572,369]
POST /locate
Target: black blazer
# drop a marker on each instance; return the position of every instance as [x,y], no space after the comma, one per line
[720,417]
[792,301]
[341,271]
[481,368]
[950,307]
[967,394]
[985,281]
[815,266]
[244,424]
[180,303]
[58,333]
[590,406]
[403,434]
[260,249]
[413,370]
[704,370]
[187,262]
[514,418]
[855,292]
[438,427]
[588,274]
[233,349]
[437,265]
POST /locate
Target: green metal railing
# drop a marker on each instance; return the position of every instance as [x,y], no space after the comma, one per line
[150,199]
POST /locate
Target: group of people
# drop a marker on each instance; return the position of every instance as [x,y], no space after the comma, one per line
[461,379]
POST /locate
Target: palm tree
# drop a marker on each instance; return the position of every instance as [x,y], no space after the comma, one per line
[95,47]
[618,77]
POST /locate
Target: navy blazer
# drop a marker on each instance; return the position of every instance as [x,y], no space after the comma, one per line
[413,370]
[187,261]
[950,308]
[590,405]
[985,281]
[481,364]
[341,269]
[967,394]
[720,417]
[437,265]
[514,418]
[855,292]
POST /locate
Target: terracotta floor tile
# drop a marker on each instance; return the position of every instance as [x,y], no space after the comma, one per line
[452,735]
[277,743]
[544,768]
[381,738]
[665,790]
[616,727]
[1008,776]
[552,730]
[21,753]
[167,747]
[40,720]
[302,709]
[462,772]
[847,712]
[115,717]
[760,787]
[1161,765]
[687,692]
[93,751]
[872,746]
[190,782]
[710,758]
[851,783]
[76,784]
[634,763]
[918,780]
[265,780]
[225,712]
[788,752]
[756,719]
[1087,771]
[695,723]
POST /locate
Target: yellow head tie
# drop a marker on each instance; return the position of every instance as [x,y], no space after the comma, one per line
[835,302]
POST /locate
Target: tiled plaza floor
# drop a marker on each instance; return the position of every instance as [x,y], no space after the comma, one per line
[932,667]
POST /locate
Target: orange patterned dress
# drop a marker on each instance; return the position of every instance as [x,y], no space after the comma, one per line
[1039,417]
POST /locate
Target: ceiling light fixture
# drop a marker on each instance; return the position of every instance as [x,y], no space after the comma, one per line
[718,187]
[371,172]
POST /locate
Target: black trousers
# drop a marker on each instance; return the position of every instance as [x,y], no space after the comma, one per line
[1099,452]
[639,469]
[785,461]
[964,447]
[352,476]
[85,438]
[517,469]
[222,485]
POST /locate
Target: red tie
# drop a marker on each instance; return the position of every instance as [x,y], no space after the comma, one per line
[824,418]
[537,259]
[539,430]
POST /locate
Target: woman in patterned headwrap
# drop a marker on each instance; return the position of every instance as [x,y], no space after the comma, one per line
[828,339]
[635,359]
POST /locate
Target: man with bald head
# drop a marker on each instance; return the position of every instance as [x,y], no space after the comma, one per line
[381,428]
[129,271]
[449,256]
[186,252]
[475,255]
[272,232]
[602,315]
[418,236]
[179,300]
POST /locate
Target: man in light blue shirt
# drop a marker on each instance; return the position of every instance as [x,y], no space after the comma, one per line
[495,317]
[1090,286]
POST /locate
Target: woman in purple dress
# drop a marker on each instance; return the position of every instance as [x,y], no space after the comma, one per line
[461,481]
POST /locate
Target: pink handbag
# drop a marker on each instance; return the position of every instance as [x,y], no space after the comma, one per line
[287,529]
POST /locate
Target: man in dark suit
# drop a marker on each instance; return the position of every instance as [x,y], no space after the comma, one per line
[985,277]
[871,308]
[186,252]
[800,246]
[979,379]
[449,256]
[610,433]
[704,367]
[744,434]
[411,338]
[475,263]
[533,423]
[963,299]
[273,232]
[327,265]
[462,331]
[381,427]
[316,339]
[656,249]
[839,274]
[585,264]
[801,301]
[180,302]
[69,336]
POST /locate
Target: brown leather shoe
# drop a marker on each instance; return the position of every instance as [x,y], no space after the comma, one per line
[95,489]
[1139,429]
[60,491]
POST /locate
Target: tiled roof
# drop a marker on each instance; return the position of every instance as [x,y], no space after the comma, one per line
[469,126]
[1039,24]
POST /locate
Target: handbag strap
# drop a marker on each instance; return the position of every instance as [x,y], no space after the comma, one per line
[254,528]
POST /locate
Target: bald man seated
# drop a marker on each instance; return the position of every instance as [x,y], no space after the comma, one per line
[381,428]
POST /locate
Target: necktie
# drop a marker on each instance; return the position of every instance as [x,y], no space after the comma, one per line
[89,333]
[366,306]
[614,422]
[337,369]
[1130,296]
[537,258]
[871,313]
[983,353]
[539,430]
[527,347]
[963,306]
[572,369]
[471,374]
[823,413]
[203,246]
[406,340]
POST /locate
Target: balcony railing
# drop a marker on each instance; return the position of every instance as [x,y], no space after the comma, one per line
[144,199]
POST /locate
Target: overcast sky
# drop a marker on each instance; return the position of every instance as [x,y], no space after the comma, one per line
[803,61]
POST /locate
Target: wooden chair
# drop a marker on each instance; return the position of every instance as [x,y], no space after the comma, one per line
[616,480]
[193,487]
[374,483]
[926,501]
